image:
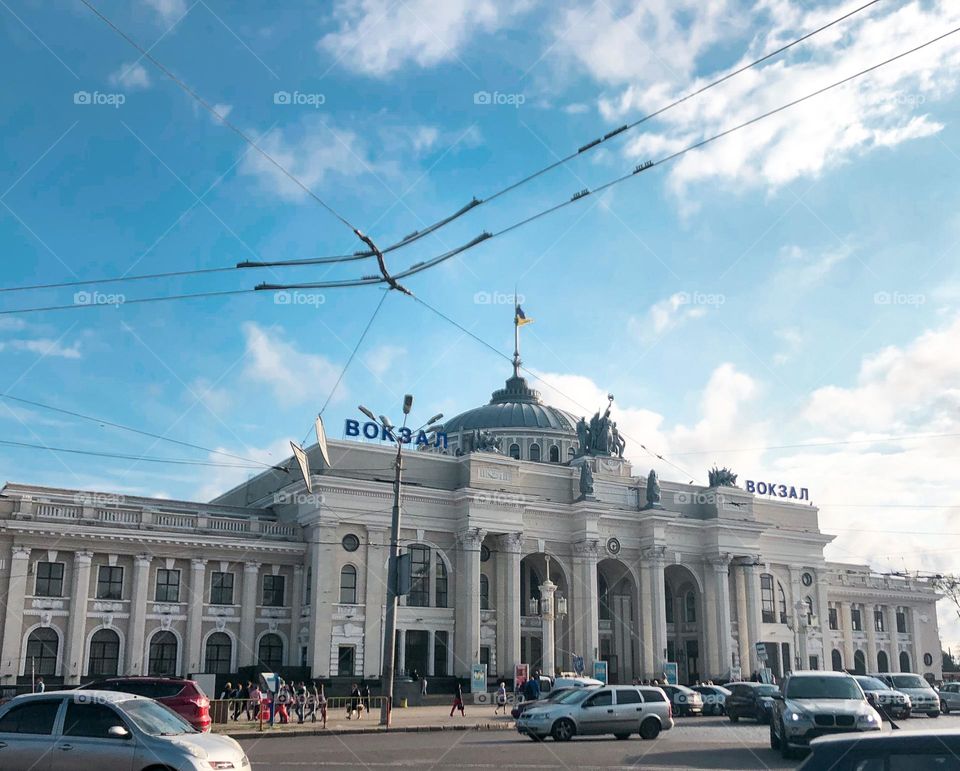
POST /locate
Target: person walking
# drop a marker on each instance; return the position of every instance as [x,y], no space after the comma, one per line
[39,687]
[423,685]
[322,702]
[365,694]
[300,695]
[354,703]
[458,701]
[253,704]
[283,699]
[241,695]
[501,698]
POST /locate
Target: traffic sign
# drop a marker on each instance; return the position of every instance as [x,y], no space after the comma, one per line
[761,651]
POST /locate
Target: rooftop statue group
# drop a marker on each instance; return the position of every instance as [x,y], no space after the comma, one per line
[481,441]
[600,436]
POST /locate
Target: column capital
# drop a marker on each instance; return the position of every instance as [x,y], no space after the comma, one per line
[510,542]
[21,552]
[251,567]
[84,557]
[589,548]
[471,539]
[143,560]
[298,570]
[719,562]
[198,563]
[654,553]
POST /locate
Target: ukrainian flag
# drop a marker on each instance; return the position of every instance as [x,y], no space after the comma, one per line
[521,319]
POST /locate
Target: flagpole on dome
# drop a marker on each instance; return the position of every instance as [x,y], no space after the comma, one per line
[519,320]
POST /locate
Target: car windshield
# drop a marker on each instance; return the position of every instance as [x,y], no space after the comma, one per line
[574,695]
[823,688]
[872,684]
[767,690]
[908,681]
[555,695]
[155,719]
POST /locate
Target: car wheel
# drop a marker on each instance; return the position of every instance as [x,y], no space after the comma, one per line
[563,730]
[774,739]
[650,728]
[946,708]
[733,718]
[934,714]
[785,751]
[621,737]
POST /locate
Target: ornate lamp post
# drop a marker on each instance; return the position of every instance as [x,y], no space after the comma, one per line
[548,617]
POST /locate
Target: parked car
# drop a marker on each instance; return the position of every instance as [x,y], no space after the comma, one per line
[91,729]
[750,700]
[185,697]
[714,698]
[567,680]
[906,750]
[520,707]
[620,710]
[923,699]
[949,697]
[686,701]
[815,703]
[889,703]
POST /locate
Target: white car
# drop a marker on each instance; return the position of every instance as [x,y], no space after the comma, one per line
[106,730]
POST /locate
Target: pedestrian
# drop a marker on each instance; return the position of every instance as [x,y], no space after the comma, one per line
[301,698]
[310,695]
[322,701]
[283,699]
[240,697]
[365,693]
[423,685]
[458,701]
[39,687]
[354,703]
[253,704]
[501,698]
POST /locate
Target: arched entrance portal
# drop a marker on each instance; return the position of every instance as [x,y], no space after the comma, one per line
[616,601]
[533,572]
[684,616]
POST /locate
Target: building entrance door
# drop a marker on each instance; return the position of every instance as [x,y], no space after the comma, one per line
[417,651]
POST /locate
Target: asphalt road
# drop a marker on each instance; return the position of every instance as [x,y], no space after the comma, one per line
[695,743]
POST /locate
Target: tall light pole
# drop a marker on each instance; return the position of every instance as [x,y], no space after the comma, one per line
[390,620]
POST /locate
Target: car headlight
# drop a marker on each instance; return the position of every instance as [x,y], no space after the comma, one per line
[796,716]
[867,719]
[220,764]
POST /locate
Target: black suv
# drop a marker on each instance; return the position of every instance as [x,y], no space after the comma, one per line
[750,700]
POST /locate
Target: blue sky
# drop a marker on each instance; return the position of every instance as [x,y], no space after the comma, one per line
[793,283]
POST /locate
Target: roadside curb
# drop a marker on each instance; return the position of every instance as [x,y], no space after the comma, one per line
[272,734]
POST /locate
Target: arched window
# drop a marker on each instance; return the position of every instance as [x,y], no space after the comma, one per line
[767,612]
[42,646]
[783,603]
[836,661]
[535,452]
[163,654]
[883,663]
[515,451]
[440,599]
[218,654]
[348,585]
[690,608]
[554,454]
[904,661]
[668,602]
[571,453]
[859,663]
[419,596]
[104,660]
[484,592]
[270,654]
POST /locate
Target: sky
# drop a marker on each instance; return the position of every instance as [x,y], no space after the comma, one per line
[782,301]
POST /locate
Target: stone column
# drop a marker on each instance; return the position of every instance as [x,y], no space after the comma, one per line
[248,615]
[13,617]
[136,629]
[823,614]
[710,661]
[846,629]
[719,578]
[871,627]
[586,613]
[467,611]
[751,577]
[645,615]
[893,652]
[431,652]
[195,599]
[77,624]
[916,641]
[656,556]
[321,554]
[509,603]
[375,600]
[743,626]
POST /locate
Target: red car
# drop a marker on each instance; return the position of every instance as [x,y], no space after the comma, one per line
[184,697]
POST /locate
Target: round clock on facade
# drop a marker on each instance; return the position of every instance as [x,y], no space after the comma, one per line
[807,579]
[613,546]
[350,542]
[484,553]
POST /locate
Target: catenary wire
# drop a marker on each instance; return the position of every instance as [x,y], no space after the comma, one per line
[485,236]
[125,456]
[474,203]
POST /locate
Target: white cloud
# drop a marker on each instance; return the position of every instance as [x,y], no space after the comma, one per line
[168,11]
[221,479]
[665,315]
[577,108]
[382,359]
[791,340]
[378,37]
[217,400]
[132,76]
[223,110]
[802,269]
[43,346]
[294,376]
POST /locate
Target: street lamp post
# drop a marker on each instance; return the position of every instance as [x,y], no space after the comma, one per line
[390,618]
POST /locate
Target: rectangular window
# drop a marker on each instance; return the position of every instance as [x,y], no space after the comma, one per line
[49,579]
[767,610]
[168,585]
[273,591]
[109,583]
[878,621]
[440,646]
[832,618]
[441,582]
[221,588]
[814,662]
[901,622]
[855,620]
[306,588]
[419,596]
